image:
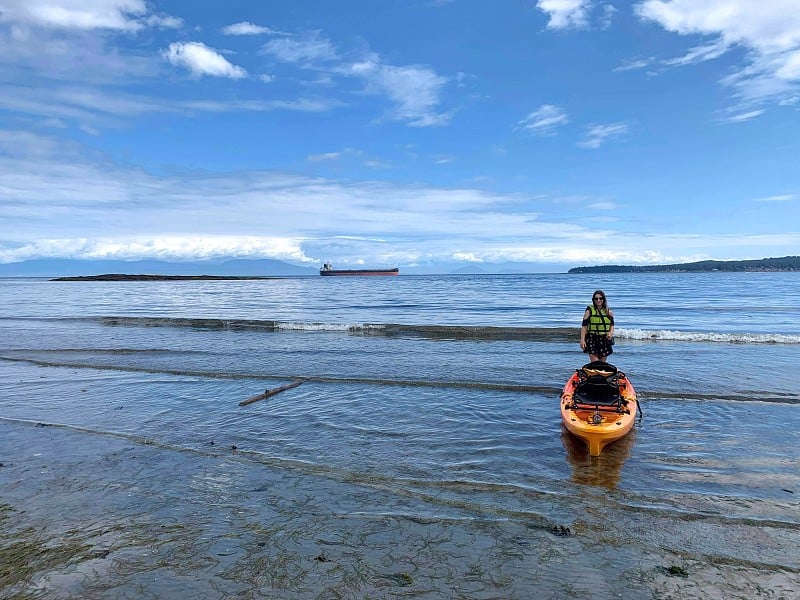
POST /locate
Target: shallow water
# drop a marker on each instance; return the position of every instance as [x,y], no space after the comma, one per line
[421,460]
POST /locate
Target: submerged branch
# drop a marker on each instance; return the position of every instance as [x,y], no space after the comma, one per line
[271,392]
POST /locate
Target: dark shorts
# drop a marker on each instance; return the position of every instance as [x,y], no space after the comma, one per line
[598,345]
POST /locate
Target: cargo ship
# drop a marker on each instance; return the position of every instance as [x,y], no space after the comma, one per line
[328,271]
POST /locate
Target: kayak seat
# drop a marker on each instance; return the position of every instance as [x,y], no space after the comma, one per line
[598,385]
[598,367]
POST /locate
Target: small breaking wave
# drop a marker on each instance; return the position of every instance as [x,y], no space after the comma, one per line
[385,329]
[443,332]
[705,336]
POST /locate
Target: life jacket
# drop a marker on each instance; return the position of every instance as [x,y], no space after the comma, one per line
[599,321]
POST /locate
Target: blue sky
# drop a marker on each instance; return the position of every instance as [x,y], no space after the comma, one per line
[430,135]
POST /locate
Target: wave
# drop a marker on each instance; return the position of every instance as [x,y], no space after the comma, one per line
[705,336]
[478,332]
[453,332]
[383,329]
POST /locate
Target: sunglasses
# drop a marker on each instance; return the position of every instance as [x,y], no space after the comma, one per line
[598,298]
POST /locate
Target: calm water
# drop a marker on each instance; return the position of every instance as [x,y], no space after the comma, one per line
[421,456]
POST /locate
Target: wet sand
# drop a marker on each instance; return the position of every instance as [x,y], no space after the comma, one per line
[91,514]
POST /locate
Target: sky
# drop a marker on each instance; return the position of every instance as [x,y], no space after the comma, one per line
[433,135]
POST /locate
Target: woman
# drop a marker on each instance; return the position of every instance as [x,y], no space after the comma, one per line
[597,328]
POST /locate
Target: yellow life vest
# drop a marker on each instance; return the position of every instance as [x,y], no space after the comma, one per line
[599,321]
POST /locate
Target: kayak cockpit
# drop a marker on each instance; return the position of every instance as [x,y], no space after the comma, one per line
[598,385]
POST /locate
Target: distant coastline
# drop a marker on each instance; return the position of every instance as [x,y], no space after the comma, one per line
[124,277]
[786,263]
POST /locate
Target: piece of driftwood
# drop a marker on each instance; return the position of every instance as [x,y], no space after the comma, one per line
[271,392]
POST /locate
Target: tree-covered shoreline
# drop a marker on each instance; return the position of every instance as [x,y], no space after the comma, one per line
[127,277]
[785,263]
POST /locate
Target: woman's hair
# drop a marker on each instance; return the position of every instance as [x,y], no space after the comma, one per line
[603,295]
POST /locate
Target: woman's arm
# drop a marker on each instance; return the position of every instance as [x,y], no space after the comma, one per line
[611,329]
[584,327]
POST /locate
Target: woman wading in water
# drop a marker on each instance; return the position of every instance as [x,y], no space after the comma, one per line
[597,328]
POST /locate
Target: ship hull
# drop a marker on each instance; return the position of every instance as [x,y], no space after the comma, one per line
[357,272]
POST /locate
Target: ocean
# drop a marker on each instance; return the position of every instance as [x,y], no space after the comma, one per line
[422,453]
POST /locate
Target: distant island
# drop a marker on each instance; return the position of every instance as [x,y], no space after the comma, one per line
[786,263]
[125,277]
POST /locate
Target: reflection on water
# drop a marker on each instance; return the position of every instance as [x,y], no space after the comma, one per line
[603,470]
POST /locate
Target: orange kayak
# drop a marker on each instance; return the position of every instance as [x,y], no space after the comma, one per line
[598,405]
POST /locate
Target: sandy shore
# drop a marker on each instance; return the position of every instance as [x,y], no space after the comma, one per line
[87,514]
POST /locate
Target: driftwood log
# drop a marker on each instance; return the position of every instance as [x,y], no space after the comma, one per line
[271,392]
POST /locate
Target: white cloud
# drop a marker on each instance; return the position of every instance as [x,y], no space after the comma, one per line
[175,248]
[119,15]
[544,120]
[598,134]
[604,205]
[245,28]
[745,116]
[163,22]
[607,18]
[202,60]
[566,14]
[770,30]
[778,198]
[701,53]
[635,64]
[772,26]
[300,105]
[415,92]
[98,108]
[789,68]
[325,156]
[59,200]
[308,50]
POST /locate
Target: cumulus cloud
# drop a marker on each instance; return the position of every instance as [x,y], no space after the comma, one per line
[202,60]
[544,120]
[766,26]
[566,14]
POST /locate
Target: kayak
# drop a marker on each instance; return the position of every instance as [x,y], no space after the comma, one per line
[598,405]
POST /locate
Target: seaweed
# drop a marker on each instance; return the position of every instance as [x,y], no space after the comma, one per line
[24,553]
